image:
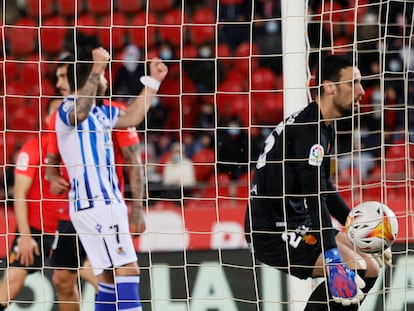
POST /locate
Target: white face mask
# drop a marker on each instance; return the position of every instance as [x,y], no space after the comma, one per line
[205,52]
[176,158]
[166,54]
[233,131]
[271,27]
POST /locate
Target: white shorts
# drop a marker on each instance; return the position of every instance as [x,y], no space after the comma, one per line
[104,233]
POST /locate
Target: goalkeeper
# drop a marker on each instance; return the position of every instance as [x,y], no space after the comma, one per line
[288,221]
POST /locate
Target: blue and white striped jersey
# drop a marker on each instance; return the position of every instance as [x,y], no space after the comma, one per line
[87,152]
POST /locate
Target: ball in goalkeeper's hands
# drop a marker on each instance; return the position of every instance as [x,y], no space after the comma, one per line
[372,227]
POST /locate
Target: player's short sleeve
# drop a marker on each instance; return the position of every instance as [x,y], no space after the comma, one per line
[27,160]
[52,145]
[65,108]
[126,137]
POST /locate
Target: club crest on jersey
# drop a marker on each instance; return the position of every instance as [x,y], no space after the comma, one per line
[316,154]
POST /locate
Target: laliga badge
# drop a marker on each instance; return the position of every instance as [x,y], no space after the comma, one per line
[316,154]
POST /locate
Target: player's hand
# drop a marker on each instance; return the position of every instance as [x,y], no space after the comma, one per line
[59,185]
[384,258]
[158,69]
[100,58]
[344,284]
[136,219]
[27,248]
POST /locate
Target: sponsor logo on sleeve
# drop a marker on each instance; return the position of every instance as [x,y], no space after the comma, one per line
[316,154]
[22,163]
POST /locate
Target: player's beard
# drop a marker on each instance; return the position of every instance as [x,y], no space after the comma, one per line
[343,110]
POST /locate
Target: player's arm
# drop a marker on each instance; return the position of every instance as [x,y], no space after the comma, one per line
[337,206]
[138,109]
[58,184]
[136,182]
[27,246]
[87,93]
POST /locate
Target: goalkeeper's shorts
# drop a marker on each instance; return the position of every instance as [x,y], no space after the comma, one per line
[295,255]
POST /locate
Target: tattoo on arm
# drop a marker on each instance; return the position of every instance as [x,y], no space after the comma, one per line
[86,97]
[135,171]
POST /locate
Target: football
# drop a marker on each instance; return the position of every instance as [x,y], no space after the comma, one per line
[372,227]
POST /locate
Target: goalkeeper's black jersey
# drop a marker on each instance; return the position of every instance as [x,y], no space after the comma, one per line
[291,181]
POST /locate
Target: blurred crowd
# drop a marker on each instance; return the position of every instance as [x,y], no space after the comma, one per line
[224,90]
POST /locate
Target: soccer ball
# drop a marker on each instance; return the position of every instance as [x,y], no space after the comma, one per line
[372,227]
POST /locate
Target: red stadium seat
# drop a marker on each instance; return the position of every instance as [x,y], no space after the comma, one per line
[189,51]
[228,93]
[267,108]
[42,8]
[87,25]
[129,6]
[159,6]
[52,35]
[204,164]
[171,29]
[246,58]
[142,31]
[396,162]
[263,79]
[224,54]
[12,70]
[99,7]
[69,7]
[22,37]
[30,72]
[114,35]
[204,30]
[16,88]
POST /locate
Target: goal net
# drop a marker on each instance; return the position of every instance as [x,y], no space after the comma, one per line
[236,69]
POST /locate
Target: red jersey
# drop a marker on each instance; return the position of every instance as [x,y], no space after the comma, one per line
[120,138]
[44,208]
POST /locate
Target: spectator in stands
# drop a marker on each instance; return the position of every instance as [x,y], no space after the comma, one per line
[232,148]
[360,158]
[125,84]
[178,173]
[37,214]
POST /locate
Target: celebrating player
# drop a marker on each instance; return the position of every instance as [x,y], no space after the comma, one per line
[288,220]
[69,254]
[97,209]
[37,214]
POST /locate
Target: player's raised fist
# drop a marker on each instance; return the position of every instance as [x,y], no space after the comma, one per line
[100,58]
[158,69]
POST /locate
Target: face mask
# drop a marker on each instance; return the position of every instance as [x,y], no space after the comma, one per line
[265,131]
[233,131]
[271,27]
[176,158]
[394,65]
[376,97]
[155,101]
[205,52]
[166,54]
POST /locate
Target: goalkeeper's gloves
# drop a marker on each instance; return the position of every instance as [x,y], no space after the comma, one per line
[344,284]
[384,258]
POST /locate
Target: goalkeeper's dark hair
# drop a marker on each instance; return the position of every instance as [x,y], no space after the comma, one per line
[330,69]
